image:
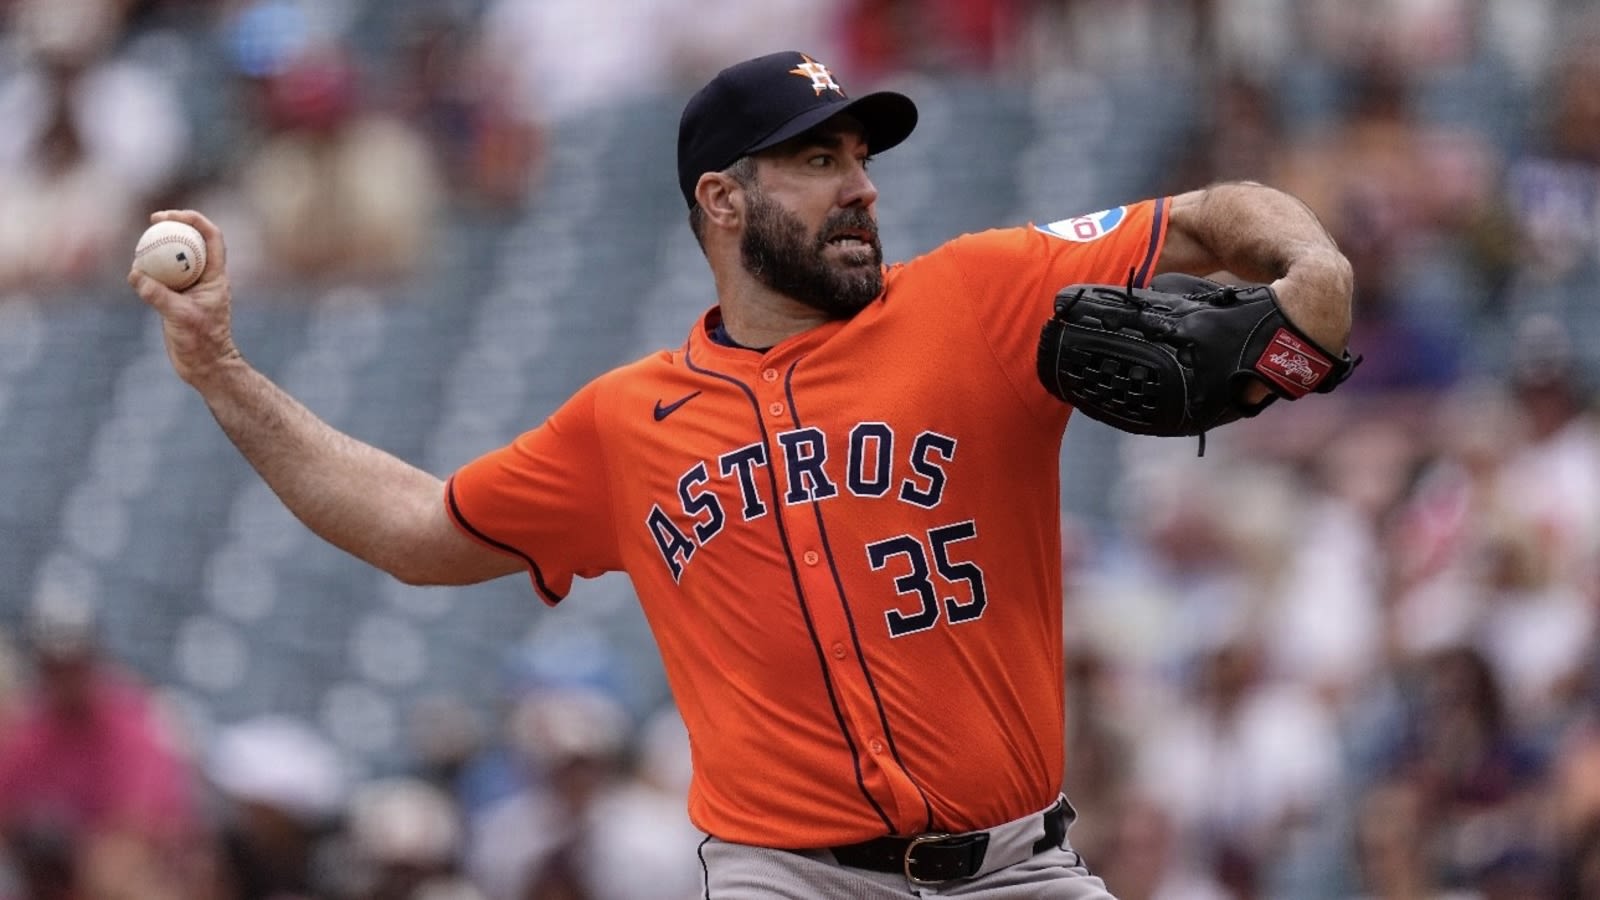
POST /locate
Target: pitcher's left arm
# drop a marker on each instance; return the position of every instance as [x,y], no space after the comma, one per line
[1261,234]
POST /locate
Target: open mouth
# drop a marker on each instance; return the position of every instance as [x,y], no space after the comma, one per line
[852,239]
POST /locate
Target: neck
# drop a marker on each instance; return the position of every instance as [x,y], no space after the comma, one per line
[756,316]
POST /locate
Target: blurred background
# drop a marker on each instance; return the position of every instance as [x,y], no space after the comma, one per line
[1351,652]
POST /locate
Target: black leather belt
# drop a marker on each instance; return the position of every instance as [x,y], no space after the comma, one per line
[932,858]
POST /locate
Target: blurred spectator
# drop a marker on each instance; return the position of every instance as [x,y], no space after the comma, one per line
[331,181]
[341,189]
[558,59]
[1182,579]
[489,146]
[1238,135]
[1536,631]
[446,733]
[1554,191]
[1551,479]
[1145,859]
[1109,37]
[588,825]
[1405,36]
[282,789]
[1326,624]
[1255,39]
[1402,197]
[91,139]
[1552,195]
[1098,775]
[1496,544]
[1393,851]
[888,36]
[641,842]
[705,35]
[405,841]
[570,739]
[1476,777]
[1244,765]
[93,787]
[544,62]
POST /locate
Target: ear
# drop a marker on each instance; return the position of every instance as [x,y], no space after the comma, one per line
[721,198]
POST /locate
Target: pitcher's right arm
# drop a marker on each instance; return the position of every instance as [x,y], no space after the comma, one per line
[357,497]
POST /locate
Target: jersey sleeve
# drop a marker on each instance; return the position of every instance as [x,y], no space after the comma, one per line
[1019,270]
[543,498]
[1011,276]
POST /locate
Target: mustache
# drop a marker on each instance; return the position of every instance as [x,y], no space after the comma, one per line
[854,219]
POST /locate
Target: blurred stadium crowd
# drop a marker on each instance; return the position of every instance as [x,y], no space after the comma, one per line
[1351,652]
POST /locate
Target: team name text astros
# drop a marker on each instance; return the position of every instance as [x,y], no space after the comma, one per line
[870,471]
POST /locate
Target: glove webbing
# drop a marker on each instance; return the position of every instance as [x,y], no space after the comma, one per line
[1153,325]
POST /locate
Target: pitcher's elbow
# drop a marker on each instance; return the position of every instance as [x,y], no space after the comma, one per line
[416,576]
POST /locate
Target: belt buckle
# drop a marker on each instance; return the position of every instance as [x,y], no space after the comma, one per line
[911,849]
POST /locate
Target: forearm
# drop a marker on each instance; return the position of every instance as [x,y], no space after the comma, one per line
[358,498]
[1265,235]
[355,496]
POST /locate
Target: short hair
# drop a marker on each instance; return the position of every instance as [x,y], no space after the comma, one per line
[743,170]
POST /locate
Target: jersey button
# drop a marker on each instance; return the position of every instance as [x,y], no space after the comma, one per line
[838,650]
[876,746]
[811,557]
[775,408]
[769,375]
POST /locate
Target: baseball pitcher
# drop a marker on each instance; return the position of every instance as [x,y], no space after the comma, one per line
[838,498]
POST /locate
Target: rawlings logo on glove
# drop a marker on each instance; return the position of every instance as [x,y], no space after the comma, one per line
[1173,359]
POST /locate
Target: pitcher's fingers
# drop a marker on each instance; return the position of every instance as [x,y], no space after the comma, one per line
[151,291]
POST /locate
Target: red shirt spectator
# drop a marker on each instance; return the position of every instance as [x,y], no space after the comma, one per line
[89,764]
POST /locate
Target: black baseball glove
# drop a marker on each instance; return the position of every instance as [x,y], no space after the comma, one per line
[1173,359]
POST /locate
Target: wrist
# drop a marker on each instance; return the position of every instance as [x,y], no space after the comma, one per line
[226,367]
[1316,295]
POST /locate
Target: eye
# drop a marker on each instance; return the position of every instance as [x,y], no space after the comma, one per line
[820,161]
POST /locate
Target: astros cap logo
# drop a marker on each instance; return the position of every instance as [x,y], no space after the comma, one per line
[821,78]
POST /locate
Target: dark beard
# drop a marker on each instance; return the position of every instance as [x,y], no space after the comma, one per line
[778,252]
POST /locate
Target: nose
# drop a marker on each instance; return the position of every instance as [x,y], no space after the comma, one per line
[858,189]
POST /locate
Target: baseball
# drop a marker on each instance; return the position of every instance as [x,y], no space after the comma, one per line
[172,253]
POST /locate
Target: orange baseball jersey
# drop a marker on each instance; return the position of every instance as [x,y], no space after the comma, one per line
[846,546]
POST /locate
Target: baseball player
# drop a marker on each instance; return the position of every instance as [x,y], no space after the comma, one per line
[837,499]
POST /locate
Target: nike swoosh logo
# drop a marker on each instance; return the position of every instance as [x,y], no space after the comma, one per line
[663,411]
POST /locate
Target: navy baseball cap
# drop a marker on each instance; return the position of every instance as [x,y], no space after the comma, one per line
[765,101]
